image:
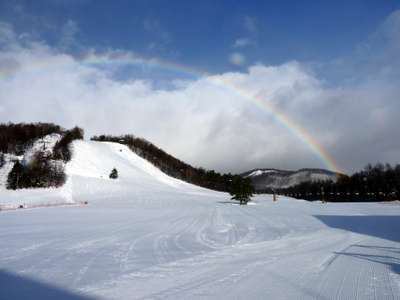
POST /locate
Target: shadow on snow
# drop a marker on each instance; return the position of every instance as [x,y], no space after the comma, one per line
[388,260]
[14,286]
[382,227]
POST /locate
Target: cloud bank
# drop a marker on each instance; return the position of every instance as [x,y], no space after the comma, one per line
[208,124]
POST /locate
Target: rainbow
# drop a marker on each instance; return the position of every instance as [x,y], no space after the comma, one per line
[121,59]
[294,128]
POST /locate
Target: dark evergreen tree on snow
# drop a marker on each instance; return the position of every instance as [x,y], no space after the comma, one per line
[2,160]
[241,190]
[15,176]
[114,174]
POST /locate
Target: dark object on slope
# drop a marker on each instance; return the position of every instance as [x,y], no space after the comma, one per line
[15,176]
[2,160]
[241,190]
[114,174]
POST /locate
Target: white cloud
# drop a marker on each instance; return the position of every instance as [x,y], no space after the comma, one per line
[213,121]
[250,36]
[197,121]
[237,59]
[242,42]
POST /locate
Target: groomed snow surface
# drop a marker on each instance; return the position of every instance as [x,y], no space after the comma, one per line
[149,236]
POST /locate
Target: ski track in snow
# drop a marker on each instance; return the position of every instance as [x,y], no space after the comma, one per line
[149,236]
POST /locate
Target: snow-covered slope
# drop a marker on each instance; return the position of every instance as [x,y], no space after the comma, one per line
[88,172]
[88,175]
[5,169]
[263,179]
[149,236]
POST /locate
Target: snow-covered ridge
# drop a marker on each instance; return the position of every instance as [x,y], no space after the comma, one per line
[260,172]
[263,179]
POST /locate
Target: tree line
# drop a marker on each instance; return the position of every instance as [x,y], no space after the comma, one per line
[374,183]
[16,138]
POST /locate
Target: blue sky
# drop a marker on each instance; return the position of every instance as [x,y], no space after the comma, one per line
[203,34]
[331,68]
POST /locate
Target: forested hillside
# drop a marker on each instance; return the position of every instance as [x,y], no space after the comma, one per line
[268,180]
[16,138]
[374,183]
[35,153]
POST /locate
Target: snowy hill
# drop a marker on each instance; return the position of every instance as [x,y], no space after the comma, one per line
[89,170]
[264,179]
[88,175]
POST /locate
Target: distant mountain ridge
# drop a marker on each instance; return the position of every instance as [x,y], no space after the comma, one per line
[265,179]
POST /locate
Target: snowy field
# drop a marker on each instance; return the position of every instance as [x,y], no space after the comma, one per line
[149,236]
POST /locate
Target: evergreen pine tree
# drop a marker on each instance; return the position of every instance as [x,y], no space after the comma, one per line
[2,160]
[241,190]
[15,177]
[114,174]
